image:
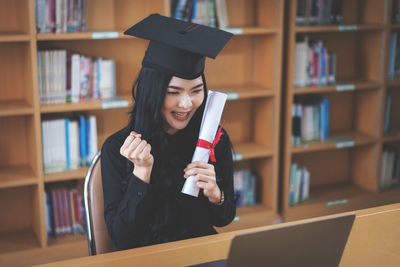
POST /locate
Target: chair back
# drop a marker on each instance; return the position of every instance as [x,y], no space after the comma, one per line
[99,241]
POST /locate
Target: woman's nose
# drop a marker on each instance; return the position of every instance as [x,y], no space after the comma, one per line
[185,101]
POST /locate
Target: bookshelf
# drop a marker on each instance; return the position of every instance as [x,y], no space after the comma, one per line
[253,86]
[345,168]
[252,112]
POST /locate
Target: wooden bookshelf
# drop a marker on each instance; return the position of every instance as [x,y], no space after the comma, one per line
[343,176]
[248,70]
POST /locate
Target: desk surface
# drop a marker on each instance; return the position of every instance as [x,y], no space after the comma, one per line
[374,241]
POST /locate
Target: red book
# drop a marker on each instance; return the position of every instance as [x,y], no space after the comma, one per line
[60,211]
[56,216]
[67,218]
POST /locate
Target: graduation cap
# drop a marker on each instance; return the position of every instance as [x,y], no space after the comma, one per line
[177,47]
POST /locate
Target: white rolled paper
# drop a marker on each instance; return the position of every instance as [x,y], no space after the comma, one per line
[209,125]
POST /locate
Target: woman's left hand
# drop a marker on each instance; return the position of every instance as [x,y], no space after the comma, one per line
[205,179]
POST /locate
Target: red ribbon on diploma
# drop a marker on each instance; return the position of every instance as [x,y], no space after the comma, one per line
[211,146]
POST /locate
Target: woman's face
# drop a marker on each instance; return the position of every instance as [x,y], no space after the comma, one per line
[181,101]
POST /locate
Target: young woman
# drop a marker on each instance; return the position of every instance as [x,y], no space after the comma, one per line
[144,165]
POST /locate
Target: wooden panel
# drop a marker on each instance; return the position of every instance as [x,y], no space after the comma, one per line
[67,239]
[351,11]
[128,12]
[17,208]
[37,223]
[373,11]
[101,15]
[341,116]
[15,72]
[250,217]
[267,60]
[331,143]
[336,29]
[359,85]
[29,257]
[370,57]
[269,12]
[326,167]
[12,241]
[366,112]
[241,13]
[264,121]
[15,107]
[66,175]
[364,170]
[238,123]
[16,133]
[14,16]
[17,175]
[238,56]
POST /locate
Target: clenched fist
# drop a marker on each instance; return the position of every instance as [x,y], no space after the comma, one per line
[138,151]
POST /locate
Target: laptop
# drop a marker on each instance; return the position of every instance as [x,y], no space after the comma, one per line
[312,242]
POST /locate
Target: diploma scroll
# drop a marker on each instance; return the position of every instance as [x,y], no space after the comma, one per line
[209,125]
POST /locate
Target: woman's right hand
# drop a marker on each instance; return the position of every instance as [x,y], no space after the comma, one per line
[138,151]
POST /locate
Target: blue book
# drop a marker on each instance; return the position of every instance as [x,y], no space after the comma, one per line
[82,140]
[324,118]
[49,215]
[292,183]
[67,152]
[87,136]
[392,51]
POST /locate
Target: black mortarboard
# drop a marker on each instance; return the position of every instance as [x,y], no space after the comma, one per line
[178,47]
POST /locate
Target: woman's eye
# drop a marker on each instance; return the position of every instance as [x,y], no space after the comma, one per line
[197,91]
[172,92]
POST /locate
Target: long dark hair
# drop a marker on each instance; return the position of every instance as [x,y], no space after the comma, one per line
[148,92]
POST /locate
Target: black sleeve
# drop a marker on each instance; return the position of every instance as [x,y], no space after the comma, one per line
[126,198]
[225,213]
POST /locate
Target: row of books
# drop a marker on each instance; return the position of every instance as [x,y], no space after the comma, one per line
[390,169]
[299,184]
[314,64]
[318,12]
[396,11]
[65,212]
[212,13]
[60,16]
[69,77]
[68,144]
[310,120]
[394,56]
[245,186]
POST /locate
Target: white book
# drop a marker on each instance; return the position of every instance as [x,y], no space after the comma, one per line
[221,12]
[92,137]
[107,78]
[75,77]
[45,145]
[297,183]
[306,185]
[300,66]
[74,144]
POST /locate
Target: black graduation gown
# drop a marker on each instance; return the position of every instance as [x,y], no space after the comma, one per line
[139,214]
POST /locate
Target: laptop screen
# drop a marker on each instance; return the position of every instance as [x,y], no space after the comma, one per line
[311,242]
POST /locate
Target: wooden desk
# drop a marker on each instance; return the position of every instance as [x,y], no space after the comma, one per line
[373,241]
